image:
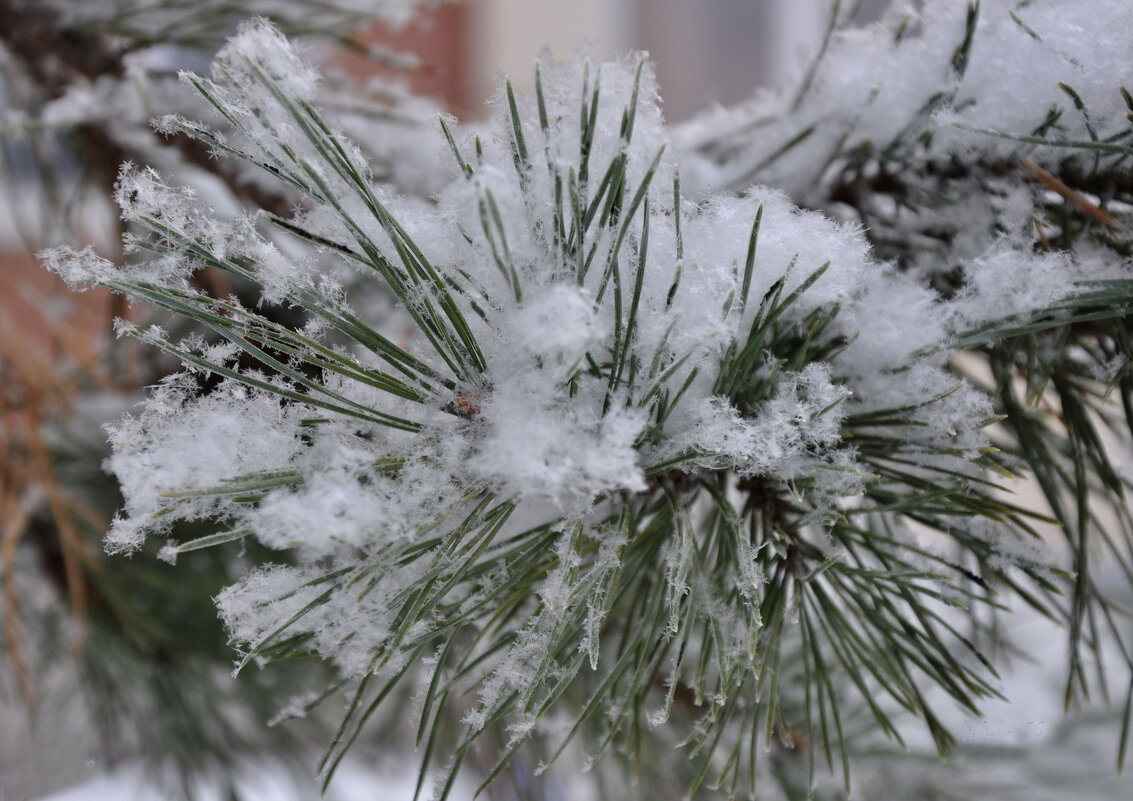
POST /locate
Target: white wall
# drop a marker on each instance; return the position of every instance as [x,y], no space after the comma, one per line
[705,51]
[509,34]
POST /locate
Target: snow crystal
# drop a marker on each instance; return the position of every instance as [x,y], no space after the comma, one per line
[184,442]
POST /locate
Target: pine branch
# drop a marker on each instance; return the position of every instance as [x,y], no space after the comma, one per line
[692,471]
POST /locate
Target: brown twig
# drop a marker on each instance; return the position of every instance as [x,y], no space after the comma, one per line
[1042,234]
[1055,185]
[17,512]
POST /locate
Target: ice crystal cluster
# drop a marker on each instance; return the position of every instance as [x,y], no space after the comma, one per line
[604,443]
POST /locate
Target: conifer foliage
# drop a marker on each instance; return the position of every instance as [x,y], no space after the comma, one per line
[610,432]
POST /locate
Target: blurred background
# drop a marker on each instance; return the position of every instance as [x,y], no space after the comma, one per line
[114,677]
[707,52]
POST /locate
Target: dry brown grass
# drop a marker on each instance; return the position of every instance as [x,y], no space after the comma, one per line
[51,346]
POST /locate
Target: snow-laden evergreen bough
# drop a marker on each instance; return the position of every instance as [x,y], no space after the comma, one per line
[668,469]
[82,81]
[986,147]
[951,134]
